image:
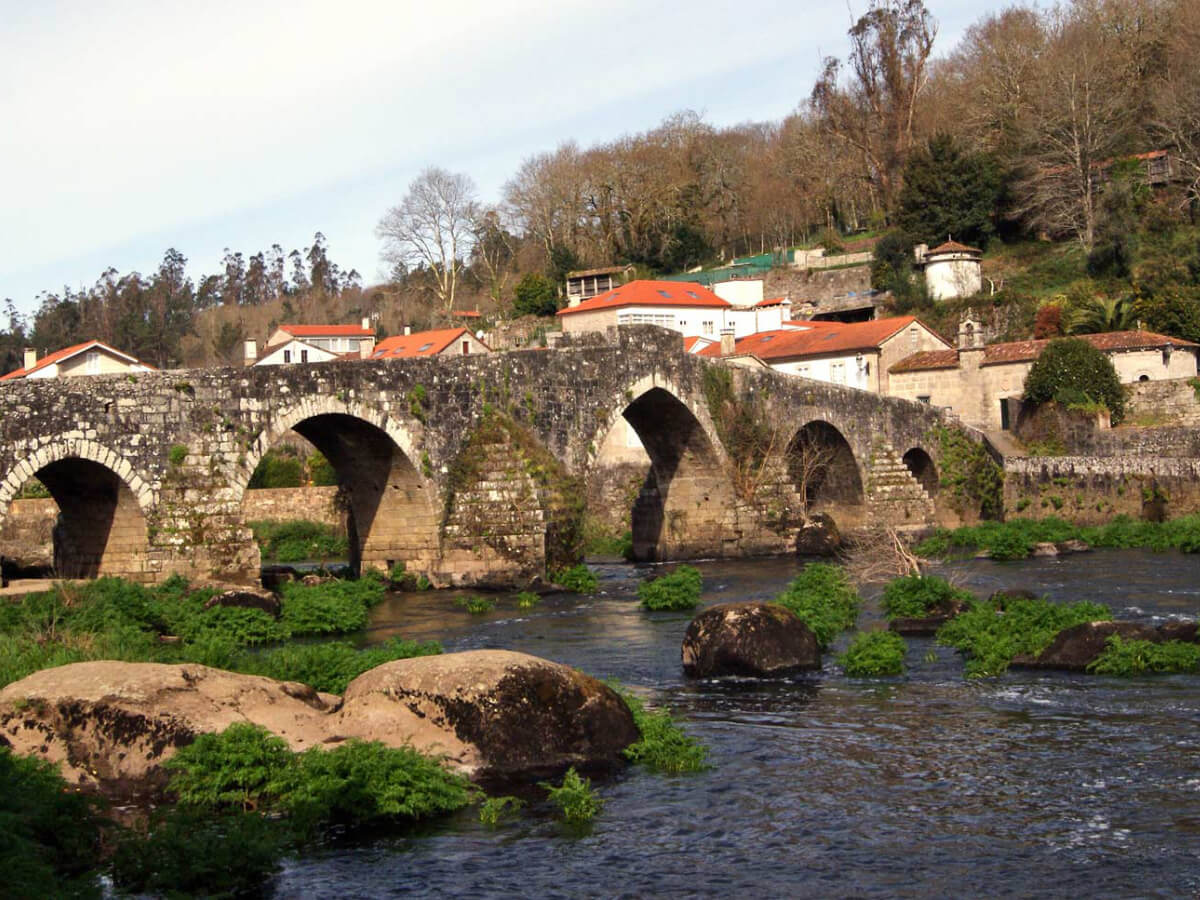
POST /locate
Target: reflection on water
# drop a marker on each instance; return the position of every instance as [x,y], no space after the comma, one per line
[1033,784]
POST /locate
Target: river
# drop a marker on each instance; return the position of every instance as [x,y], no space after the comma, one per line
[927,785]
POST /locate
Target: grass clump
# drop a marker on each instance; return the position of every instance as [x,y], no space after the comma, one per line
[579,579]
[246,768]
[476,605]
[823,598]
[874,653]
[49,835]
[1121,657]
[678,590]
[528,600]
[576,802]
[917,596]
[664,746]
[298,539]
[493,809]
[994,632]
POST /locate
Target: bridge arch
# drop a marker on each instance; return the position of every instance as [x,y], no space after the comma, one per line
[102,502]
[686,498]
[389,503]
[822,466]
[922,467]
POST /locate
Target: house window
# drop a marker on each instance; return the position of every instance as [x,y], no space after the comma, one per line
[303,356]
[837,373]
[708,327]
[924,398]
[287,356]
[913,337]
[93,362]
[424,347]
[466,347]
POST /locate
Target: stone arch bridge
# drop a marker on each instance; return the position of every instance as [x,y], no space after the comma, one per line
[470,470]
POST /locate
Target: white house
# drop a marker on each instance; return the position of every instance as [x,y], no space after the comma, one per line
[856,354]
[88,358]
[294,351]
[339,339]
[951,270]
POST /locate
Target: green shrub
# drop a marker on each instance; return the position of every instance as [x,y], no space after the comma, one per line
[915,596]
[1121,657]
[823,598]
[476,605]
[278,468]
[1071,371]
[297,540]
[1014,539]
[574,798]
[493,809]
[331,607]
[663,746]
[177,454]
[994,632]
[49,834]
[873,653]
[329,667]
[528,600]
[235,770]
[678,590]
[320,471]
[1010,545]
[579,579]
[186,852]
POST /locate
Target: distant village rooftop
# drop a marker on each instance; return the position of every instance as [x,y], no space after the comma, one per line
[427,343]
[650,293]
[94,354]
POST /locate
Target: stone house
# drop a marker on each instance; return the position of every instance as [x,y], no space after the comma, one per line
[857,354]
[983,384]
[88,358]
[440,342]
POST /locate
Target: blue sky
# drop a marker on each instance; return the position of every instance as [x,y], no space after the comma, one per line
[133,126]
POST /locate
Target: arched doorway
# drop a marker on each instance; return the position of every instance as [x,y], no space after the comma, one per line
[822,467]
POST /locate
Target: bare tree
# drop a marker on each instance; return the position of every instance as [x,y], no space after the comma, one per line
[433,227]
[880,555]
[1177,95]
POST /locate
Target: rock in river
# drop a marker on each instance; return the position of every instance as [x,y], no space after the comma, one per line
[749,638]
[491,713]
[113,724]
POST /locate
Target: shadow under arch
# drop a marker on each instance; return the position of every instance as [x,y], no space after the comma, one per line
[821,465]
[920,464]
[101,526]
[388,505]
[682,505]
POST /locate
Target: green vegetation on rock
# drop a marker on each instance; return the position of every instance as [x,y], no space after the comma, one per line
[874,653]
[493,809]
[677,590]
[916,596]
[1122,657]
[993,632]
[476,605]
[578,578]
[823,598]
[664,746]
[576,802]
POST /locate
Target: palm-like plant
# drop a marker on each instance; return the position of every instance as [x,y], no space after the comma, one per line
[1102,314]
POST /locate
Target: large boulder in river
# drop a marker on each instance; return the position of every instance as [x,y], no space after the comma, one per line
[818,536]
[490,713]
[749,638]
[113,724]
[1074,648]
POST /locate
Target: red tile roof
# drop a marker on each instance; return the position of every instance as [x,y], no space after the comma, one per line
[689,343]
[827,337]
[327,330]
[1027,351]
[67,353]
[650,293]
[773,301]
[467,314]
[420,343]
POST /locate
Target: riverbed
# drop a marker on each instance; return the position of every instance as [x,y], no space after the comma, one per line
[927,785]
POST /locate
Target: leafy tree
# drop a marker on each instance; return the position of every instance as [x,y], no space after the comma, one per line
[948,191]
[535,296]
[1173,310]
[1071,370]
[892,270]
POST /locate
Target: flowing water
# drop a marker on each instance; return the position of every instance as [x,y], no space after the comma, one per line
[1031,784]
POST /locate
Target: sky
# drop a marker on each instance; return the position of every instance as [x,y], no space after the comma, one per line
[131,126]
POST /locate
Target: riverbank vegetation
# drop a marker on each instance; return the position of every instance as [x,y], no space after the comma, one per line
[874,653]
[1015,538]
[824,599]
[917,596]
[663,746]
[1134,657]
[676,590]
[297,540]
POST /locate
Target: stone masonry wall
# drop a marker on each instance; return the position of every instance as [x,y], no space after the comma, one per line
[1163,402]
[315,504]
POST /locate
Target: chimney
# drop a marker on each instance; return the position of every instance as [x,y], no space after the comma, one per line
[30,357]
[728,343]
[366,347]
[249,353]
[407,330]
[366,323]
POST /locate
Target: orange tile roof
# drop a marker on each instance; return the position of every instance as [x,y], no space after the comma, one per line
[467,314]
[420,343]
[1027,351]
[650,293]
[829,337]
[327,330]
[67,353]
[773,301]
[690,342]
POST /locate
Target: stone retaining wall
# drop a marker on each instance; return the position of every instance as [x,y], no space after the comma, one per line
[1173,401]
[315,504]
